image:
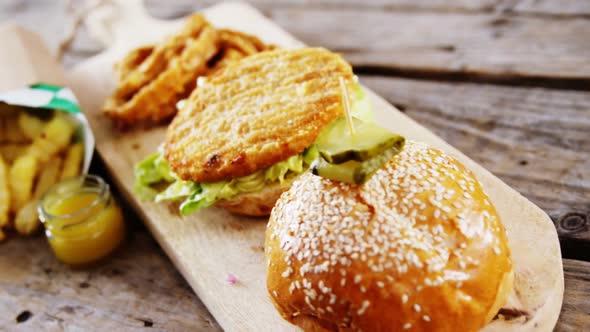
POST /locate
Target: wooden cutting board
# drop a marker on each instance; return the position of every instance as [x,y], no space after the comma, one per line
[212,244]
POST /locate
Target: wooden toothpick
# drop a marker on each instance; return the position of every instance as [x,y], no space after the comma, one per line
[346,103]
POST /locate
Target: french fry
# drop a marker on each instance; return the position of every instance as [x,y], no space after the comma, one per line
[20,178]
[13,133]
[2,128]
[56,135]
[48,176]
[11,151]
[5,200]
[30,125]
[27,221]
[73,161]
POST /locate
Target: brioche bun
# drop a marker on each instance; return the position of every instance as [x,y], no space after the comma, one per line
[417,247]
[256,204]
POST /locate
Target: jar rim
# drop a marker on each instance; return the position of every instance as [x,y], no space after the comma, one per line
[100,197]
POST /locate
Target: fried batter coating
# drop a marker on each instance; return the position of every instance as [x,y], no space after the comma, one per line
[236,45]
[167,73]
[245,43]
[256,112]
[132,60]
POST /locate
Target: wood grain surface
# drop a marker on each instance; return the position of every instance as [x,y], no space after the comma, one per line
[493,40]
[553,145]
[139,289]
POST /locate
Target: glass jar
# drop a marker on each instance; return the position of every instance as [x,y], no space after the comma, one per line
[82,221]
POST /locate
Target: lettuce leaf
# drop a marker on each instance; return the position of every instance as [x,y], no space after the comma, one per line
[152,170]
[177,190]
[206,196]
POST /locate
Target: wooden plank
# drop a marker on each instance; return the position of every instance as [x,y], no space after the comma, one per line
[586,311]
[534,139]
[469,37]
[483,38]
[485,45]
[60,298]
[137,288]
[177,8]
[551,7]
[576,307]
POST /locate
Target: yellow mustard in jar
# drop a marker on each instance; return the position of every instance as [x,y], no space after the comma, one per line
[83,222]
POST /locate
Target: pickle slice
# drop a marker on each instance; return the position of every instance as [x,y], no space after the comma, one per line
[345,172]
[352,171]
[337,145]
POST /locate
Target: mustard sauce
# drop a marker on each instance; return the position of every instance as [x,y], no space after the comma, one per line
[83,223]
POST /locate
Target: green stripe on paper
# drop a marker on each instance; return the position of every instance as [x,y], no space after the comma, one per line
[46,87]
[64,105]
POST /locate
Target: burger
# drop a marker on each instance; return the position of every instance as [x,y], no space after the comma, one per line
[417,246]
[251,128]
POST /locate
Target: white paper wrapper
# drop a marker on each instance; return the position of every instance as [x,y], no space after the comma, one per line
[46,96]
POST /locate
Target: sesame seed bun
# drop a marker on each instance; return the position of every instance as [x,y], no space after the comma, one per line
[417,247]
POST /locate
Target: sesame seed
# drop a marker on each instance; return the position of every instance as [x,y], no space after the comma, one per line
[417,308]
[404,298]
[437,213]
[357,278]
[426,318]
[363,307]
[380,284]
[309,303]
[332,299]
[363,289]
[311,293]
[407,326]
[287,272]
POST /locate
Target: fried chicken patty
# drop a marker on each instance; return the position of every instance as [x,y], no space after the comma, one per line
[255,113]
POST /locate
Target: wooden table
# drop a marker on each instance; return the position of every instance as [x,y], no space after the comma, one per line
[506,82]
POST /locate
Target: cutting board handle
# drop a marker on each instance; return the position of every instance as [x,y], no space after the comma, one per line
[117,22]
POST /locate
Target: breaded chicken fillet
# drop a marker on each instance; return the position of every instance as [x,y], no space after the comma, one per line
[249,129]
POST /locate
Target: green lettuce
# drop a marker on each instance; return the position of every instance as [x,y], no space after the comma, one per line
[152,170]
[155,171]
